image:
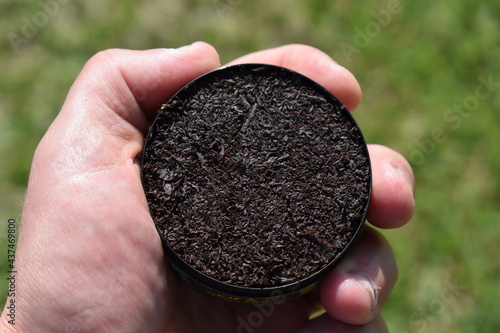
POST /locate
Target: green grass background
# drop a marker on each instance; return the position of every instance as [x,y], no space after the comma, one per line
[424,59]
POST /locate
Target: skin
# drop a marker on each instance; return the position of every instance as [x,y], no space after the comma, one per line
[89,258]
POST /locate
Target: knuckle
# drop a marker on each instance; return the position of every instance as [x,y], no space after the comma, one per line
[104,58]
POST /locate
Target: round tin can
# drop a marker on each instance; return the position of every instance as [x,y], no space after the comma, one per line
[258,180]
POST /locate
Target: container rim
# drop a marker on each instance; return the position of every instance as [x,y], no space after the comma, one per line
[263,292]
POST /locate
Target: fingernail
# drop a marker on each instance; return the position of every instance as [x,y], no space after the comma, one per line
[407,175]
[187,47]
[395,170]
[408,180]
[367,282]
[183,48]
[203,52]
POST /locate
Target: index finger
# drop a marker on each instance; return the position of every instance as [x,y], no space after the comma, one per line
[314,64]
[392,202]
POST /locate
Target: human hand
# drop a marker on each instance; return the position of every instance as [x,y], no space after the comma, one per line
[89,258]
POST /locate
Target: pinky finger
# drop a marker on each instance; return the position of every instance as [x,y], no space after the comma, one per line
[327,324]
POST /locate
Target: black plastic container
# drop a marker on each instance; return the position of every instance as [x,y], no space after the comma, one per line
[214,160]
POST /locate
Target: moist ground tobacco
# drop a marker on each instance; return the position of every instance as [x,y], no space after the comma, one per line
[258,180]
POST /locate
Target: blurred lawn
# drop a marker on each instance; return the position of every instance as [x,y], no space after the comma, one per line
[413,65]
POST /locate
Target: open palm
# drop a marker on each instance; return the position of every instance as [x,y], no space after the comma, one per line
[89,258]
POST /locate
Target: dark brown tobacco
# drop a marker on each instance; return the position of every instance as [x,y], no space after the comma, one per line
[256,179]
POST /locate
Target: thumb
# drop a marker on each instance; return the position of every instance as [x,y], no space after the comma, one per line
[111,103]
[85,216]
